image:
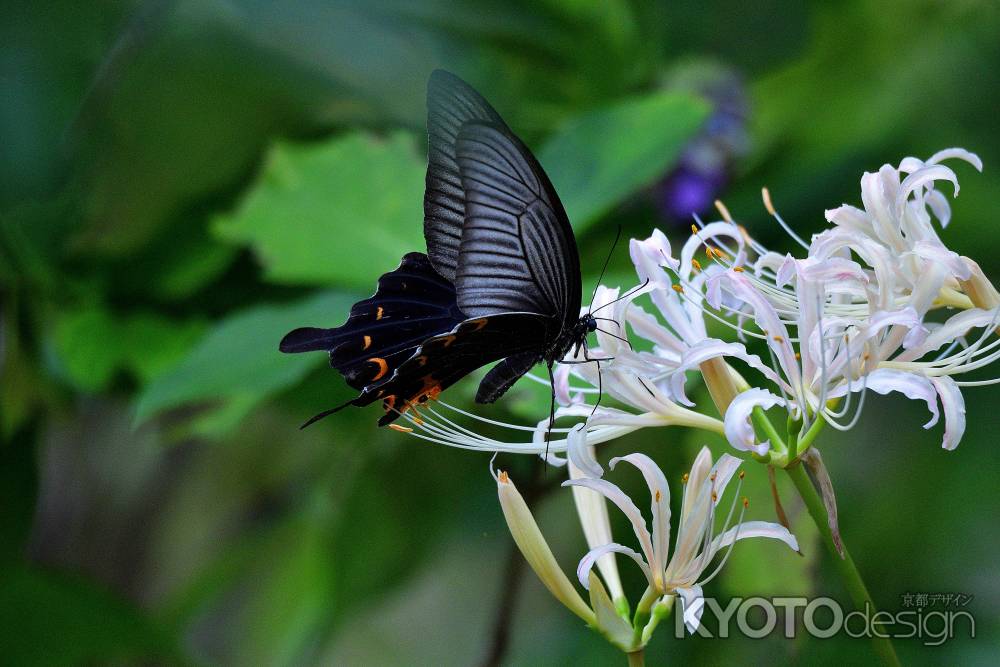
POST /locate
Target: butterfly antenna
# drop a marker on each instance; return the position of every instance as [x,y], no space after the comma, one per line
[624,340]
[604,268]
[625,295]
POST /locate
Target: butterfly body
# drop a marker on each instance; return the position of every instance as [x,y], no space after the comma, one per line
[500,282]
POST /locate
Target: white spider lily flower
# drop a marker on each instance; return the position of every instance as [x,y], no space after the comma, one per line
[838,356]
[685,571]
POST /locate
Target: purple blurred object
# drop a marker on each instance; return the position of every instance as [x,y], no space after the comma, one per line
[706,164]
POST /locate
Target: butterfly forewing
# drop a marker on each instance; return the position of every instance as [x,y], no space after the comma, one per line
[451,103]
[518,252]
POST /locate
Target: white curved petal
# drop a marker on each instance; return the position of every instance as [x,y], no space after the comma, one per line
[580,454]
[786,272]
[595,554]
[711,348]
[940,207]
[650,256]
[700,470]
[739,431]
[832,269]
[625,504]
[958,154]
[560,381]
[954,327]
[954,410]
[850,218]
[592,509]
[659,493]
[749,529]
[925,176]
[936,252]
[911,385]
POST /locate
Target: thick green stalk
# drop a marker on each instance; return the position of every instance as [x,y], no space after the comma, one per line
[845,566]
[636,659]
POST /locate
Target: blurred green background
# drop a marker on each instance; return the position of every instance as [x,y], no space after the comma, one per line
[183,182]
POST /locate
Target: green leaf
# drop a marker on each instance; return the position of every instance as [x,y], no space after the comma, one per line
[56,620]
[600,158]
[92,344]
[237,363]
[329,213]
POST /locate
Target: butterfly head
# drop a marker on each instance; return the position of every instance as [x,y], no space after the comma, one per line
[589,322]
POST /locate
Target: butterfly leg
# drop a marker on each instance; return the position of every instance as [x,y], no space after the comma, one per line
[502,376]
[600,388]
[552,411]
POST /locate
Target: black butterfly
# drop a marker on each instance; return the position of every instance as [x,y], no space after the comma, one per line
[500,280]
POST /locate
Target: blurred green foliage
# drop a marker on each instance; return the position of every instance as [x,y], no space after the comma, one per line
[181,183]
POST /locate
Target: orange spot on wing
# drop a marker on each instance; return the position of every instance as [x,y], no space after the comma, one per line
[368,343]
[383,367]
[446,340]
[478,324]
[429,392]
[379,312]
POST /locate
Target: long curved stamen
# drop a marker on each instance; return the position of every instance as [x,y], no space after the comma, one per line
[515,427]
[732,545]
[822,407]
[706,556]
[857,415]
[766,195]
[776,367]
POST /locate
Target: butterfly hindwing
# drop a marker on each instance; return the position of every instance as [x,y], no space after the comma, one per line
[443,360]
[412,303]
[518,252]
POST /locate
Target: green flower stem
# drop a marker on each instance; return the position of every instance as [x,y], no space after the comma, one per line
[845,566]
[811,434]
[659,612]
[642,611]
[636,659]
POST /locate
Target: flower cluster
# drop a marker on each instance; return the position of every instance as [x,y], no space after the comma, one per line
[875,302]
